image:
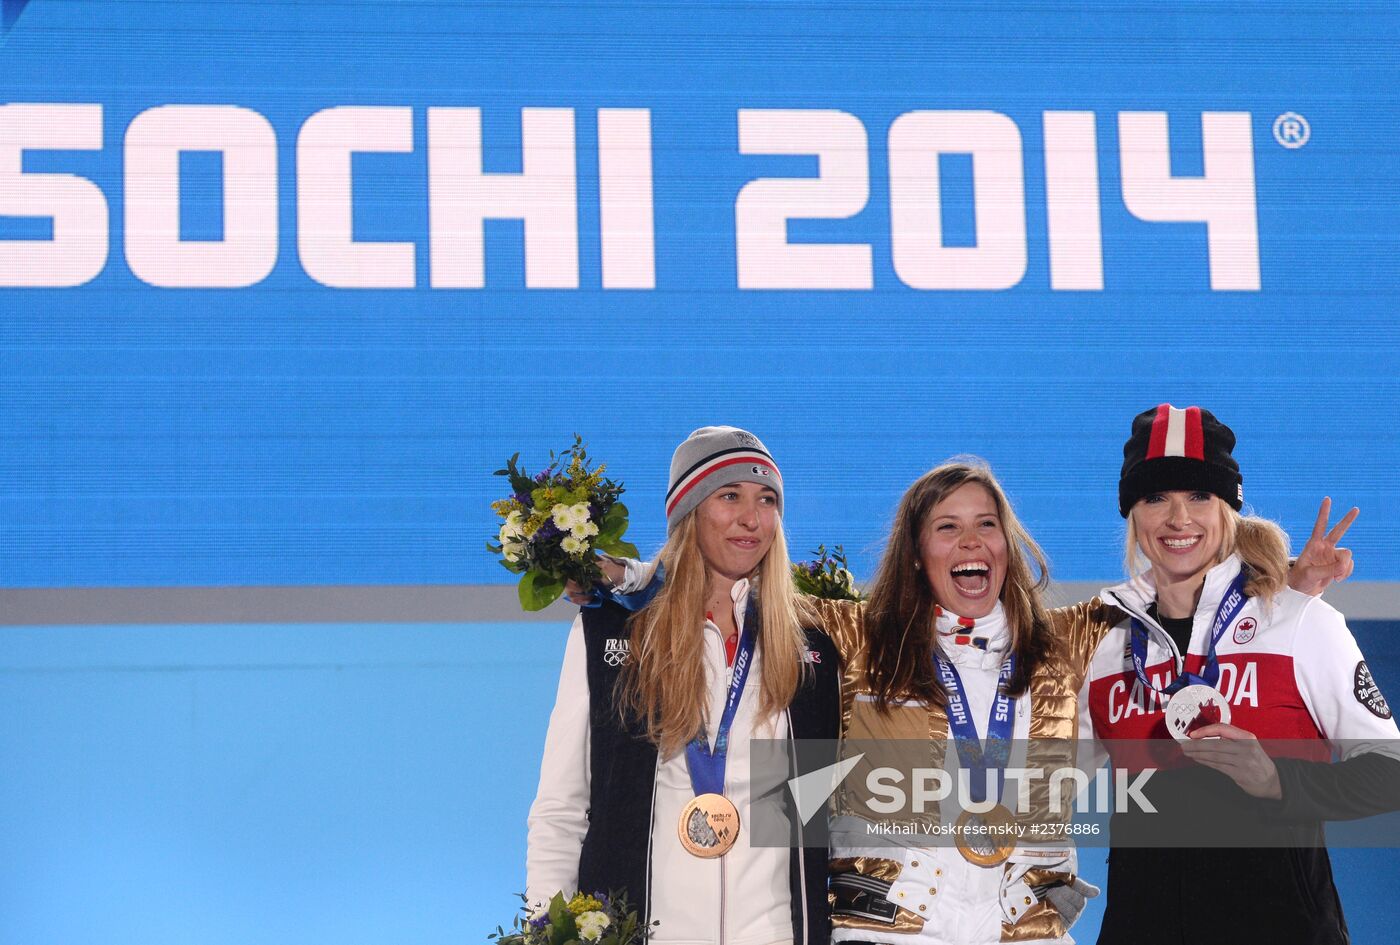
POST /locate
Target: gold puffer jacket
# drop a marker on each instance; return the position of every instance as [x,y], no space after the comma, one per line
[1053,707]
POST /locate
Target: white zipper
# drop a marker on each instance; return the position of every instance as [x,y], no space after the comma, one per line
[651,833]
[801,847]
[722,860]
[1178,661]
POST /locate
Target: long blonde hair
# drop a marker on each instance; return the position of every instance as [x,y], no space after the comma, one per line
[664,684]
[1261,544]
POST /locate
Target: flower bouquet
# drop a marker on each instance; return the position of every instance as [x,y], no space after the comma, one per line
[554,521]
[826,577]
[599,918]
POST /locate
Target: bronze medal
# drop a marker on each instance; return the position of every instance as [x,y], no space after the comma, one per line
[986,839]
[709,825]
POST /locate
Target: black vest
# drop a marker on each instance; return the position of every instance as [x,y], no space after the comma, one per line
[623,775]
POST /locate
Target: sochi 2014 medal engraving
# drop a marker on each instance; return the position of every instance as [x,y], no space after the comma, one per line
[1195,706]
[986,839]
[709,826]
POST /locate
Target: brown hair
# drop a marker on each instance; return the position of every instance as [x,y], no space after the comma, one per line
[899,618]
[664,685]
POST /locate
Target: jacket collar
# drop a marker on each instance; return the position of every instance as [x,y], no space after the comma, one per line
[992,628]
[739,594]
[1135,594]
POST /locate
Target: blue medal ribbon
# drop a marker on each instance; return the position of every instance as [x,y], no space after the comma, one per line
[974,754]
[1234,599]
[706,766]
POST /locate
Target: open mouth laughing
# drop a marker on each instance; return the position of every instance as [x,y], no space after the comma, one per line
[972,578]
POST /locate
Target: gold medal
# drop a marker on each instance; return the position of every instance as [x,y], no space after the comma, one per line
[709,825]
[986,839]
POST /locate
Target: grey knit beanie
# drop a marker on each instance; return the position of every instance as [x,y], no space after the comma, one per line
[712,457]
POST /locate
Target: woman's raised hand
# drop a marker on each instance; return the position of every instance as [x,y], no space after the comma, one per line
[614,572]
[1321,562]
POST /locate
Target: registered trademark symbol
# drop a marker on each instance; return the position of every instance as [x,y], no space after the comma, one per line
[1291,130]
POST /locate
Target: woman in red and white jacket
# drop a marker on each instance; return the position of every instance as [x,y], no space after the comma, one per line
[1216,650]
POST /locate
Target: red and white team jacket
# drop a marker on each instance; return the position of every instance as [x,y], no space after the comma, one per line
[1289,668]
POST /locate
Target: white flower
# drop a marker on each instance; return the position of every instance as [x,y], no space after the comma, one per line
[591,925]
[571,545]
[512,537]
[513,528]
[584,530]
[566,516]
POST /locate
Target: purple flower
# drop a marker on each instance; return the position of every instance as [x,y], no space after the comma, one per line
[548,530]
[601,897]
[524,499]
[540,923]
[814,568]
[541,477]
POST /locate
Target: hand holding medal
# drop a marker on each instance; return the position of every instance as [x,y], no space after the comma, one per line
[1237,754]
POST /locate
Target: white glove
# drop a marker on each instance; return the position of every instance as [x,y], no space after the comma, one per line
[1069,899]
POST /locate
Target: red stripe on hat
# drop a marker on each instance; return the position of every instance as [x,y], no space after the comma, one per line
[1195,437]
[707,473]
[1157,443]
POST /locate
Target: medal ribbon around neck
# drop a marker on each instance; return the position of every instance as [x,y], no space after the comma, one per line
[977,756]
[1230,605]
[707,767]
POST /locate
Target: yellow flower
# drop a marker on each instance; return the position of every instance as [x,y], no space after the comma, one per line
[582,902]
[503,507]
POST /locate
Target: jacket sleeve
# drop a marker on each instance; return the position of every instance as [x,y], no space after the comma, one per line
[843,621]
[1349,709]
[1081,628]
[559,816]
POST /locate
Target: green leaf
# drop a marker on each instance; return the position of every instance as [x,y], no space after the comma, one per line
[617,515]
[617,547]
[538,590]
[565,931]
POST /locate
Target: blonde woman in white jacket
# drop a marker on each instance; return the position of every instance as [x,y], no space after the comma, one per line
[645,786]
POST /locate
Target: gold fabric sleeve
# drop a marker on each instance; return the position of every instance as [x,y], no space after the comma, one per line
[1080,629]
[843,621]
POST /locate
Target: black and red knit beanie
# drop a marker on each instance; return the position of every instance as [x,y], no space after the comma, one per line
[1175,448]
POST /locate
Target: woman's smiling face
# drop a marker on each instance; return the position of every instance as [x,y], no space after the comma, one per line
[1180,532]
[962,551]
[735,528]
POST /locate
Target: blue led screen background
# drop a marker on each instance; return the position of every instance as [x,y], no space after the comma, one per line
[290,432]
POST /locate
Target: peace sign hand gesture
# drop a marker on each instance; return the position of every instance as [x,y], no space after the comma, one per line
[1321,562]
